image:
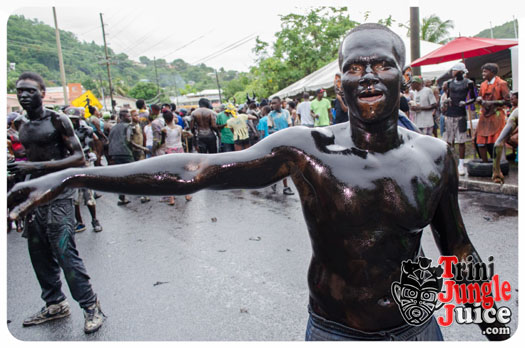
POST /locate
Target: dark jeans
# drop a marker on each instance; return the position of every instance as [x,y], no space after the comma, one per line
[121,160]
[207,143]
[227,147]
[321,329]
[50,231]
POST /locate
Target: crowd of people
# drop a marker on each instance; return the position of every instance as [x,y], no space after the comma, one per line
[154,130]
[450,110]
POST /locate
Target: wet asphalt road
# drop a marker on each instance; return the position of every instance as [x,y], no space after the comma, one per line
[228,265]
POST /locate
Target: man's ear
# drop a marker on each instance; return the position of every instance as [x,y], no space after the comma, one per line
[43,93]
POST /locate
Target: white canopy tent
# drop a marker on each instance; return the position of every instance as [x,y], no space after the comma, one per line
[324,77]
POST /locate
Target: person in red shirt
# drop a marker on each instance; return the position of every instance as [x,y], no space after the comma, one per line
[493,96]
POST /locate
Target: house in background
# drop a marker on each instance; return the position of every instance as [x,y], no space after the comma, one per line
[192,99]
[54,96]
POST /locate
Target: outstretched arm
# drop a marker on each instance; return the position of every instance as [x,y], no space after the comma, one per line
[178,174]
[499,147]
[450,233]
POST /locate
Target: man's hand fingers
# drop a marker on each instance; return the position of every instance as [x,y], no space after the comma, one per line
[20,210]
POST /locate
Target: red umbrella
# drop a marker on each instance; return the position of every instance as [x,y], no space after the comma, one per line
[464,47]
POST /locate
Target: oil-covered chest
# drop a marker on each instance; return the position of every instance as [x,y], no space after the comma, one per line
[42,138]
[401,188]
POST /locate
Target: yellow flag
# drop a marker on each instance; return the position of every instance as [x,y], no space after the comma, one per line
[86,99]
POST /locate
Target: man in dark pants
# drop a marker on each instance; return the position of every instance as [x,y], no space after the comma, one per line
[51,145]
[120,145]
[204,127]
[367,187]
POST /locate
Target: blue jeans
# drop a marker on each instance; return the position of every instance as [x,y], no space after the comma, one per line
[227,147]
[50,231]
[321,329]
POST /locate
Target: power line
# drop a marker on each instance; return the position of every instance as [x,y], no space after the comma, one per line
[90,30]
[184,46]
[226,49]
[159,42]
[125,25]
[122,14]
[139,40]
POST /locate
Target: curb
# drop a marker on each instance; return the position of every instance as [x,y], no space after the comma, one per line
[490,187]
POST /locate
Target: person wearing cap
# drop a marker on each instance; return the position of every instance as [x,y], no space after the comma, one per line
[459,88]
[226,132]
[238,124]
[423,105]
[493,96]
[321,109]
[86,136]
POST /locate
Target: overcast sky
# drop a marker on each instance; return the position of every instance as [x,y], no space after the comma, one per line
[194,30]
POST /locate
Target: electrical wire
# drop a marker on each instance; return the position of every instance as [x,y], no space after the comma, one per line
[226,49]
[186,45]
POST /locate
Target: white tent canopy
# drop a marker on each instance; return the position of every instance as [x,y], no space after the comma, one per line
[324,77]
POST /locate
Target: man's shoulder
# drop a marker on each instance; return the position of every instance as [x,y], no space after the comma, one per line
[423,142]
[48,113]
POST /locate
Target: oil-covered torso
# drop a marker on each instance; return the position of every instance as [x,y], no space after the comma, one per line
[365,213]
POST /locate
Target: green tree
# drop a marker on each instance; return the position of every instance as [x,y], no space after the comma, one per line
[304,44]
[143,90]
[504,31]
[433,29]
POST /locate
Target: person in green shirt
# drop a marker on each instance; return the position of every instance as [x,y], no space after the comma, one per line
[321,109]
[226,132]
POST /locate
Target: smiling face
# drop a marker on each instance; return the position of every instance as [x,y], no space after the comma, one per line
[371,75]
[487,74]
[29,94]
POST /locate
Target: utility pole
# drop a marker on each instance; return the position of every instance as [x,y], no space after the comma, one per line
[491,33]
[218,86]
[156,76]
[60,59]
[515,29]
[102,91]
[414,38]
[107,66]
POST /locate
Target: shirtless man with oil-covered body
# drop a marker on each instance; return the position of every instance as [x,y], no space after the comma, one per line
[204,127]
[367,189]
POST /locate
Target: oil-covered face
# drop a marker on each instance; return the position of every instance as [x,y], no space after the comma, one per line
[371,75]
[29,94]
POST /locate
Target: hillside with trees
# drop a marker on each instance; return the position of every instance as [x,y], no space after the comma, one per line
[31,45]
[504,31]
[305,43]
